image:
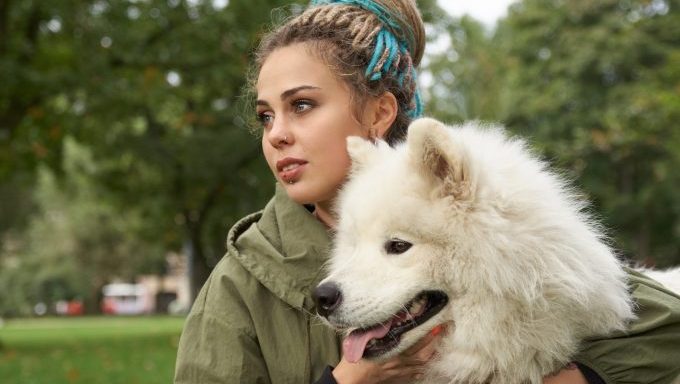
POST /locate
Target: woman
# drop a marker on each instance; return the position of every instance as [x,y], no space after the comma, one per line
[341,68]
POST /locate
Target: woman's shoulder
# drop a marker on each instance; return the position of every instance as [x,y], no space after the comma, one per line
[226,288]
[627,356]
[656,305]
[228,279]
[241,227]
[641,278]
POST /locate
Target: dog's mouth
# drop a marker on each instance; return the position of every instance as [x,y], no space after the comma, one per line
[380,338]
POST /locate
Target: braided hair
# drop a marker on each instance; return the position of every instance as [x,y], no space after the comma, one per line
[372,45]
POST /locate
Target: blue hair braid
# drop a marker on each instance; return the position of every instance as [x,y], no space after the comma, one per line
[387,48]
[377,9]
[377,53]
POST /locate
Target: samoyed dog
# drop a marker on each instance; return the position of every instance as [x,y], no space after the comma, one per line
[464,226]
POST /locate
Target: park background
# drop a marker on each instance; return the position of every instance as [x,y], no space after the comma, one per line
[124,138]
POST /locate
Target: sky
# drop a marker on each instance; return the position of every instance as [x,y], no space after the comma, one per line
[486,11]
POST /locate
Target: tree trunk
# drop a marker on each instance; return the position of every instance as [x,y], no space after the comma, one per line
[198,265]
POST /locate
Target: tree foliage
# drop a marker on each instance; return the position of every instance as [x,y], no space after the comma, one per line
[122,135]
[596,87]
[151,88]
[74,244]
[597,83]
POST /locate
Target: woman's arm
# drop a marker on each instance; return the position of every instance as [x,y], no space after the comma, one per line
[574,374]
[570,375]
[213,351]
[649,351]
[218,342]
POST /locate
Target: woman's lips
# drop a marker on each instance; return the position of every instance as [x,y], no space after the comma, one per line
[290,169]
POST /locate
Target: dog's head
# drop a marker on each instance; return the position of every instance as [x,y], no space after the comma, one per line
[390,275]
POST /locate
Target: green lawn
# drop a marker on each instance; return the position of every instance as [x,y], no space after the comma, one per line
[104,350]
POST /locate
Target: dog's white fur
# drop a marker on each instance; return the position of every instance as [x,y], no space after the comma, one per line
[527,270]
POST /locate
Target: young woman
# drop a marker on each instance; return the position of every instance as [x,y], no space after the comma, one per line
[341,68]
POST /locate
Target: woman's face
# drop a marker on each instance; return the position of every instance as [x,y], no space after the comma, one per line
[306,116]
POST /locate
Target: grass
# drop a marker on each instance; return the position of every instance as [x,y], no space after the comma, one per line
[104,350]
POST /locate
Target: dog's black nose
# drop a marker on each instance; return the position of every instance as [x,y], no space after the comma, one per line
[327,297]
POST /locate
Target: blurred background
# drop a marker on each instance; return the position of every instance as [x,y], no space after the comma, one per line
[125,154]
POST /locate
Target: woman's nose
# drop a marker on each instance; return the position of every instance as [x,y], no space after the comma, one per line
[279,134]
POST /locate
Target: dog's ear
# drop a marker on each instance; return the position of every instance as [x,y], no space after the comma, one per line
[440,158]
[361,151]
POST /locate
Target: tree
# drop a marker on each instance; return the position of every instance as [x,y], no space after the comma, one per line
[151,88]
[594,87]
[466,72]
[74,244]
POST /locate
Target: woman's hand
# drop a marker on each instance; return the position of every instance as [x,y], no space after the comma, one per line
[404,368]
[569,375]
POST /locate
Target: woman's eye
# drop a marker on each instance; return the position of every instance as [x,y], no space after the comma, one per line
[265,118]
[397,246]
[302,105]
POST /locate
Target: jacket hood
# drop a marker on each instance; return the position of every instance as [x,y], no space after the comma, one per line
[284,247]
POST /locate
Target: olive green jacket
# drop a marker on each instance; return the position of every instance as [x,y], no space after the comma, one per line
[253,320]
[649,351]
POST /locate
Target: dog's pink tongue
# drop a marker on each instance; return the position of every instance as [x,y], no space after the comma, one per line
[353,346]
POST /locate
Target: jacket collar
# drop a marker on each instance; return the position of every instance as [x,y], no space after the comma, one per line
[283,247]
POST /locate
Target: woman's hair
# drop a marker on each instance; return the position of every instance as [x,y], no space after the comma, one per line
[374,46]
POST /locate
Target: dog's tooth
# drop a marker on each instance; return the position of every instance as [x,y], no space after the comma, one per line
[416,307]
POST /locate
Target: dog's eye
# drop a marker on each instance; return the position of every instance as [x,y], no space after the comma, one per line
[396,246]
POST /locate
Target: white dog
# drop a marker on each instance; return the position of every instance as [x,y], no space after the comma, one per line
[463,225]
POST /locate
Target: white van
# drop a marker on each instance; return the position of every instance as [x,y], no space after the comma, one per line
[126,299]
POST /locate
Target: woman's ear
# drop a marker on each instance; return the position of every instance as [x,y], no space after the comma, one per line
[382,113]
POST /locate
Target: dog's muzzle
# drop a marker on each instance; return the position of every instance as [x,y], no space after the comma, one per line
[327,297]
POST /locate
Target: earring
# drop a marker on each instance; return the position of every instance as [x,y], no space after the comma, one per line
[372,135]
